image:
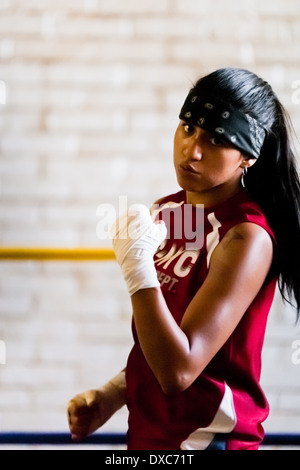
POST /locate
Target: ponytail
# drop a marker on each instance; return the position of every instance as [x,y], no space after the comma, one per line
[273,180]
[274,183]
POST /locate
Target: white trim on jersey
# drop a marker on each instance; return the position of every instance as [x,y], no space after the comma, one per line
[224,422]
[213,238]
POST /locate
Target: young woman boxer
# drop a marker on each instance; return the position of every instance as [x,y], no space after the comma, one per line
[200,306]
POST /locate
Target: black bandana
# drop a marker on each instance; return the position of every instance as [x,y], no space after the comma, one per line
[239,129]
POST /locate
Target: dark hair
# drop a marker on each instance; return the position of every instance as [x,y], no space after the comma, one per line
[273,180]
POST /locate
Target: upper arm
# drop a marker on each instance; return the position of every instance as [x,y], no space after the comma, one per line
[238,268]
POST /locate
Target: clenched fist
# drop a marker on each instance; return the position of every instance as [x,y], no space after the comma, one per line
[88,411]
[135,239]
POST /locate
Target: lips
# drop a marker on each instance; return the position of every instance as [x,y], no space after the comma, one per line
[188,169]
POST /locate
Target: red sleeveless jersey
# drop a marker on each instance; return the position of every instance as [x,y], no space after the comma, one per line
[226,397]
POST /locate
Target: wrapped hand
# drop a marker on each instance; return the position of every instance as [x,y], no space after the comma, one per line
[136,239]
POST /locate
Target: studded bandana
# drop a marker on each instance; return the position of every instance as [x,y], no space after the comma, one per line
[239,129]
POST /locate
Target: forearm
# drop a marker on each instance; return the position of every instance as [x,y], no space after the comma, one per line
[116,388]
[165,346]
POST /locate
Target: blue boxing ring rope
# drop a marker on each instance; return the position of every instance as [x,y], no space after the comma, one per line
[62,438]
[59,438]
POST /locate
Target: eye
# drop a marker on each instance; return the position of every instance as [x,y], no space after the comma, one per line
[188,128]
[216,141]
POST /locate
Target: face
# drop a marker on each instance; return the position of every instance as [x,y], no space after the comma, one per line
[203,161]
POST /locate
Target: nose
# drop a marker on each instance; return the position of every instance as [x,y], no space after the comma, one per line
[193,150]
[197,151]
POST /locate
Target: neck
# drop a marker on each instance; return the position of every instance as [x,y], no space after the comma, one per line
[212,197]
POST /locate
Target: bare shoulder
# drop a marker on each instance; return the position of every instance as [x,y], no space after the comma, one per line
[247,247]
[250,234]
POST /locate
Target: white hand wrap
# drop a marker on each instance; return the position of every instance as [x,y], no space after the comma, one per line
[135,239]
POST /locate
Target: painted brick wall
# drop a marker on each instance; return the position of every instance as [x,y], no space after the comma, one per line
[89,96]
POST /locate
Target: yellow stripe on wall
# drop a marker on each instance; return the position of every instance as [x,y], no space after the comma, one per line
[56,254]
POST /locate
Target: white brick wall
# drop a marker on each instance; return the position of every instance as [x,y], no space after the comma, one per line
[90,93]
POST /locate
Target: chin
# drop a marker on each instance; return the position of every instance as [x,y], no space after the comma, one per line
[190,186]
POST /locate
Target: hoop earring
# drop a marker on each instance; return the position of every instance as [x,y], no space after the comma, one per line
[243,176]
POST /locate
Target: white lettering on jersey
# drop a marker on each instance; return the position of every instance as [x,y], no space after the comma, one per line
[165,279]
[184,259]
[168,256]
[181,268]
